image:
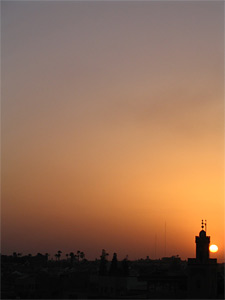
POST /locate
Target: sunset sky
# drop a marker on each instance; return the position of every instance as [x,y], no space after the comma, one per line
[112,125]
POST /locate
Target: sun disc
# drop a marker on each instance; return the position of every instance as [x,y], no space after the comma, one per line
[213,248]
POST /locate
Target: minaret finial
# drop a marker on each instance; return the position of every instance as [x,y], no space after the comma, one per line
[205,225]
[202,225]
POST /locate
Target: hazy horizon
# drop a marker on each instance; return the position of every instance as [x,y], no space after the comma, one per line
[112,126]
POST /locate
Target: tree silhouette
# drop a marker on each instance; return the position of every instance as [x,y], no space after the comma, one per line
[103,263]
[78,255]
[113,267]
[82,255]
[59,254]
[72,257]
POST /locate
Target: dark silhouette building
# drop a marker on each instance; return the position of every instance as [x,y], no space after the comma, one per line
[202,270]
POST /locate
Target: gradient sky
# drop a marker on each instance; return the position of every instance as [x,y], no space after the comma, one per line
[112,126]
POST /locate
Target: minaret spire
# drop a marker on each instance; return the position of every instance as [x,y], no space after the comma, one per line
[202,244]
[202,225]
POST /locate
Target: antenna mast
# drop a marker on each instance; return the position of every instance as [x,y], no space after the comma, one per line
[165,238]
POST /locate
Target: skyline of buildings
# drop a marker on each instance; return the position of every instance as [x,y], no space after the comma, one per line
[78,278]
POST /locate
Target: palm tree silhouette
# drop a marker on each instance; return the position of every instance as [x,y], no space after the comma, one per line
[72,257]
[78,255]
[103,263]
[59,254]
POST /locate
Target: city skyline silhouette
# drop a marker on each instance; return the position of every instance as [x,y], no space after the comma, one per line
[76,277]
[80,254]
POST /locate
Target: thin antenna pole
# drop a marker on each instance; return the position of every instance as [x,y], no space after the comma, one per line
[155,244]
[165,238]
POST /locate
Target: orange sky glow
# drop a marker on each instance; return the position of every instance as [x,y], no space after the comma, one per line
[112,127]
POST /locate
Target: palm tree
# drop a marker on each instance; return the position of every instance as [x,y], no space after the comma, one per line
[72,257]
[59,254]
[78,254]
[103,263]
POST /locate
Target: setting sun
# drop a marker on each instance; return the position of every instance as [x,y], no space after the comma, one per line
[213,248]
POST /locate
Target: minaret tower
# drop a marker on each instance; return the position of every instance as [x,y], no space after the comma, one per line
[202,270]
[202,245]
